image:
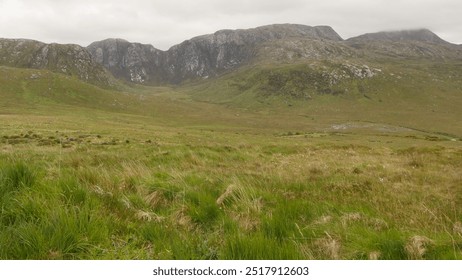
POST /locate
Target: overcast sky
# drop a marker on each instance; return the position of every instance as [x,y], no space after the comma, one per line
[169,22]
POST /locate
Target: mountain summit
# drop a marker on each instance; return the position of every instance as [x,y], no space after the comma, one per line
[420,43]
[420,35]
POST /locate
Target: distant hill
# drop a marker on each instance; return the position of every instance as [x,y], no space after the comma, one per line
[70,59]
[421,35]
[421,43]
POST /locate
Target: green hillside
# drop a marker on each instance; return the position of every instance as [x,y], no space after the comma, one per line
[26,88]
[417,94]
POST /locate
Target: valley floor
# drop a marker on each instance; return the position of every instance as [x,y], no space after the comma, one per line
[98,185]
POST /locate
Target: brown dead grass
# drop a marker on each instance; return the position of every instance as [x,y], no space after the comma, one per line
[329,247]
[417,246]
[148,216]
[375,255]
[457,228]
[155,199]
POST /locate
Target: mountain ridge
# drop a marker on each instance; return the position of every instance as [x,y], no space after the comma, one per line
[420,34]
[201,56]
[226,50]
[416,43]
[210,55]
[68,59]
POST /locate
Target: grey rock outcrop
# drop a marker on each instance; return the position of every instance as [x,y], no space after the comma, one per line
[67,59]
[203,56]
[130,61]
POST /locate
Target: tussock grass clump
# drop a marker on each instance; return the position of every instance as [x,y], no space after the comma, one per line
[16,176]
[202,208]
[328,247]
[391,245]
[64,234]
[417,246]
[49,221]
[242,202]
[258,247]
[240,195]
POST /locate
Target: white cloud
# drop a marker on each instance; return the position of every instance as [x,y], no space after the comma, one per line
[165,23]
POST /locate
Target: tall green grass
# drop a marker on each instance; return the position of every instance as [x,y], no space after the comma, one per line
[213,192]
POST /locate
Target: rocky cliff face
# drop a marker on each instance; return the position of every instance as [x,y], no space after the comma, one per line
[203,56]
[130,61]
[67,59]
[210,55]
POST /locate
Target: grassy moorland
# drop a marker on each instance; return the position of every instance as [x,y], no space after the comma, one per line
[169,173]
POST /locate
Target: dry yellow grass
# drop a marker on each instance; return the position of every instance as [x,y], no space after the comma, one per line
[417,246]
